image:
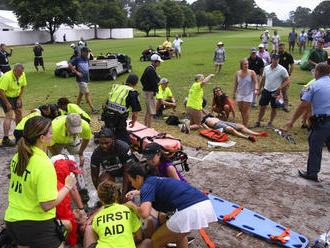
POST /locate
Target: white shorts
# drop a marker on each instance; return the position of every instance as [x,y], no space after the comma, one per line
[265,46]
[275,46]
[218,63]
[247,98]
[177,49]
[191,218]
[83,87]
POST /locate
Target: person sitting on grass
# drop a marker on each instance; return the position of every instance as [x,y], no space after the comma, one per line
[165,98]
[222,104]
[211,122]
[66,107]
[115,224]
[154,154]
[49,111]
[193,210]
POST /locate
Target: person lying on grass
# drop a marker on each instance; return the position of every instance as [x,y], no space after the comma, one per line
[211,122]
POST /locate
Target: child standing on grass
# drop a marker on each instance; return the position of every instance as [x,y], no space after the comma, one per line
[219,57]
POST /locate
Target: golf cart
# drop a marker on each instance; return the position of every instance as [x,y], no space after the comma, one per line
[62,70]
[109,66]
[146,54]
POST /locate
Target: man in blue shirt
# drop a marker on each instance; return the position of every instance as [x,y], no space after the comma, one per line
[79,65]
[292,39]
[317,93]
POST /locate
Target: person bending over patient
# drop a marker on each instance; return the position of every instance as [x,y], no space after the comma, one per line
[211,122]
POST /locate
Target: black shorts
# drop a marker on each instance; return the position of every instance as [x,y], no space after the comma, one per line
[12,101]
[292,43]
[38,61]
[266,97]
[35,234]
[5,68]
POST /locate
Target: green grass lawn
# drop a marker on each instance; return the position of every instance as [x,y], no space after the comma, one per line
[197,58]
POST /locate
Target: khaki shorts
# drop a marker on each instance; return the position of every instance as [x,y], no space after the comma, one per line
[195,115]
[150,101]
[83,87]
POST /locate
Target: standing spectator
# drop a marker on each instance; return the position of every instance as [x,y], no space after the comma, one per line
[327,38]
[83,42]
[112,157]
[263,54]
[310,37]
[245,85]
[318,55]
[314,44]
[286,60]
[222,104]
[71,133]
[12,85]
[79,65]
[150,81]
[165,98]
[4,62]
[38,60]
[195,100]
[76,51]
[118,106]
[30,216]
[265,37]
[64,37]
[317,94]
[302,41]
[257,65]
[275,41]
[292,39]
[219,57]
[274,78]
[177,46]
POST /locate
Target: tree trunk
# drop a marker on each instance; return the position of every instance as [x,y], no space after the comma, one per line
[95,32]
[184,31]
[246,25]
[256,26]
[197,29]
[154,32]
[110,33]
[147,32]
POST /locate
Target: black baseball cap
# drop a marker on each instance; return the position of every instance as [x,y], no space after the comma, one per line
[151,150]
[275,56]
[106,133]
[132,79]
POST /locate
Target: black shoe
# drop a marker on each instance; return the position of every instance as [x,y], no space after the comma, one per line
[157,117]
[7,142]
[286,110]
[305,175]
[255,125]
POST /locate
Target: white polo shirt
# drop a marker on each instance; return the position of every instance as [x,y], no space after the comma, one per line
[274,77]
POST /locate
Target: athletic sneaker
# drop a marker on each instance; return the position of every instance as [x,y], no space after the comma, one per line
[269,125]
[157,117]
[7,142]
[95,111]
[255,125]
[190,240]
[252,138]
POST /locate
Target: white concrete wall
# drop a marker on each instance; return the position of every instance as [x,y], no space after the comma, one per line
[29,37]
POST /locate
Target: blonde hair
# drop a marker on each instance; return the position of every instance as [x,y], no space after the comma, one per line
[241,62]
[33,129]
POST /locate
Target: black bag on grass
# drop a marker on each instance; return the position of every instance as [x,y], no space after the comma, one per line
[172,120]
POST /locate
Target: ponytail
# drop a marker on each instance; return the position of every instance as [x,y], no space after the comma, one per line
[141,169]
[33,129]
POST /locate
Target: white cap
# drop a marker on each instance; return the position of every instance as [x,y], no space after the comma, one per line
[163,81]
[322,29]
[220,43]
[36,43]
[37,110]
[156,57]
[261,45]
[80,43]
[72,45]
[266,31]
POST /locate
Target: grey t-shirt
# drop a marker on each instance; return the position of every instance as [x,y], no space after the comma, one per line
[274,77]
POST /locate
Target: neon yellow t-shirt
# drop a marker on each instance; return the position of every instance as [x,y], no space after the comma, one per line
[74,108]
[20,126]
[10,85]
[60,135]
[115,226]
[195,96]
[38,184]
[164,94]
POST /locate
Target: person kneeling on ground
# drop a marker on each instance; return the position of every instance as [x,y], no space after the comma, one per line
[154,154]
[165,98]
[18,132]
[114,156]
[108,231]
[211,122]
[49,111]
[64,165]
[193,210]
[66,107]
[222,104]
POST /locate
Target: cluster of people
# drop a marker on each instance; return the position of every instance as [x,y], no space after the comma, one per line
[173,48]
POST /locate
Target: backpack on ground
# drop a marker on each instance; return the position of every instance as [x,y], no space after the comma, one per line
[172,120]
[214,135]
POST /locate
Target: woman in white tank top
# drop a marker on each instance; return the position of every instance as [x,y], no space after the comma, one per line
[245,84]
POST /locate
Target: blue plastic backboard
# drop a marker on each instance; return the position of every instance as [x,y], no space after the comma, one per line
[255,224]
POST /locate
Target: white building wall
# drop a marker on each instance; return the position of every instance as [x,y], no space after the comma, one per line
[29,37]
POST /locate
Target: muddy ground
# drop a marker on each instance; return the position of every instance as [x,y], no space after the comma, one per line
[266,183]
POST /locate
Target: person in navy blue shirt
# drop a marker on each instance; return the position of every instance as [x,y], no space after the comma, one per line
[79,65]
[192,209]
[317,93]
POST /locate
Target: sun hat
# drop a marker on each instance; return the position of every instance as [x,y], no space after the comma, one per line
[156,57]
[73,122]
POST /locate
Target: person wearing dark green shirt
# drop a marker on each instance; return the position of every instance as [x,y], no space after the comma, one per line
[318,55]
